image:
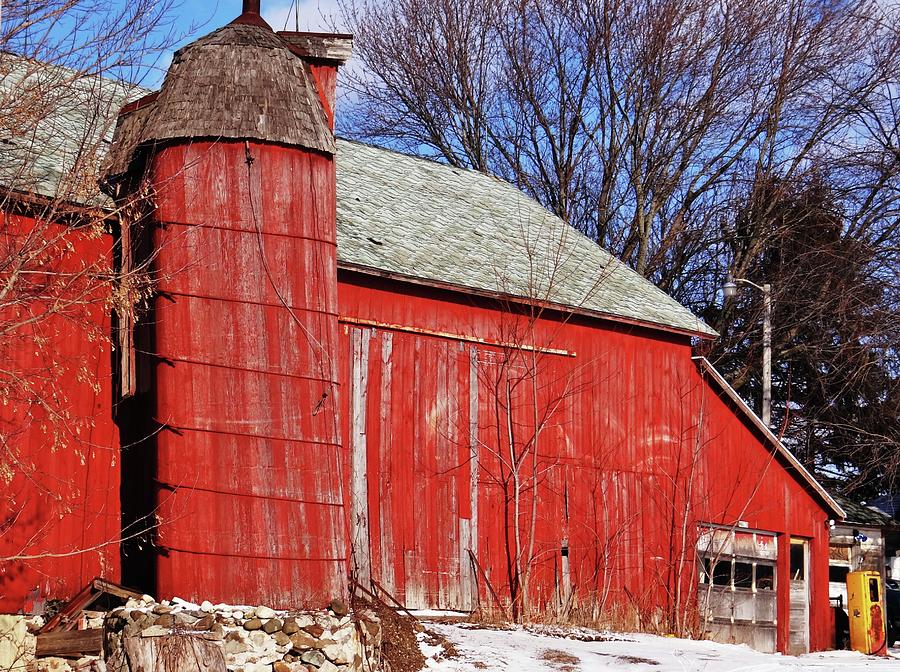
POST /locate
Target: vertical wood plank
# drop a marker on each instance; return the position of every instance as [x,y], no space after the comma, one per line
[464,598]
[473,475]
[359,375]
[388,538]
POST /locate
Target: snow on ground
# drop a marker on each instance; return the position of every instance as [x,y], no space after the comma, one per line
[543,649]
[436,613]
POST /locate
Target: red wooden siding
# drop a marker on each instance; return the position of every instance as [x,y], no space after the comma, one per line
[429,464]
[636,450]
[266,467]
[250,498]
[59,509]
[325,76]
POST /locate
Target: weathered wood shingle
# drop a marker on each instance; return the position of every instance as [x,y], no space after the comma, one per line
[240,82]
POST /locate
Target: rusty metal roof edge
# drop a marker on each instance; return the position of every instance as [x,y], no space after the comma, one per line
[776,443]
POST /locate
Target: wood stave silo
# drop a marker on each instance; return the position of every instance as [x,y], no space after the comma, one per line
[237,152]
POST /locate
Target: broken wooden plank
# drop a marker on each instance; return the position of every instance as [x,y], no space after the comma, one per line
[335,48]
[70,643]
[67,618]
[69,613]
[103,586]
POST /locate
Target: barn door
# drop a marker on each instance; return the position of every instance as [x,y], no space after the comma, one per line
[798,642]
[433,553]
[411,513]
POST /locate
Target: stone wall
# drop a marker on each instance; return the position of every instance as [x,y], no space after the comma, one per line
[254,639]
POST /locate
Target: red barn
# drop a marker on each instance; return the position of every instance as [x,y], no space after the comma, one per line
[59,447]
[363,368]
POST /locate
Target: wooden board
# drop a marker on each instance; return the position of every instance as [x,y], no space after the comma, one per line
[67,618]
[362,563]
[70,643]
[799,629]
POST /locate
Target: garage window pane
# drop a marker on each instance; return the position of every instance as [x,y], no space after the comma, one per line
[765,577]
[705,570]
[722,573]
[743,575]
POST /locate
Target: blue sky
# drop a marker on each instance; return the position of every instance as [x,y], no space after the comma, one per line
[193,18]
[218,12]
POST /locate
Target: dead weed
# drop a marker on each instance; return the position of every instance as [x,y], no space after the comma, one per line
[563,661]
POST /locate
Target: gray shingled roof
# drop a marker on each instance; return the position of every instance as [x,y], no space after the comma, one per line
[425,220]
[860,514]
[397,214]
[53,119]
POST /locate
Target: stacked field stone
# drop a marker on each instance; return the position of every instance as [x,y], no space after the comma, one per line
[258,639]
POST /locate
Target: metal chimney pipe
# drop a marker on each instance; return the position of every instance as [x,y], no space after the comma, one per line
[251,16]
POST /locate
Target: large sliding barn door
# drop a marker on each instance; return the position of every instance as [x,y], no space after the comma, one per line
[411,472]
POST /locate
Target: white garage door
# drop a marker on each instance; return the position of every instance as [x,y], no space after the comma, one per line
[737,586]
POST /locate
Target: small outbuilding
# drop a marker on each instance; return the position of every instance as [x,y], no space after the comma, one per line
[857,544]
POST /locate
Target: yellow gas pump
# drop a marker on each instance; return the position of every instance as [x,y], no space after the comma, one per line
[866,610]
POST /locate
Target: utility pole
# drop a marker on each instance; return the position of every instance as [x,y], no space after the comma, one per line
[767,356]
[730,290]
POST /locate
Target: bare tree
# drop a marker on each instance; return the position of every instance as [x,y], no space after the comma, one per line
[649,124]
[635,122]
[835,329]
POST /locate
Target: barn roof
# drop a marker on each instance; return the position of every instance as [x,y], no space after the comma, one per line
[55,128]
[422,220]
[240,81]
[398,215]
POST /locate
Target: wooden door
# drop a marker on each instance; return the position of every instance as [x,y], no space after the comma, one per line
[411,510]
[798,640]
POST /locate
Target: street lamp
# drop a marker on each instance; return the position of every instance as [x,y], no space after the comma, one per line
[730,289]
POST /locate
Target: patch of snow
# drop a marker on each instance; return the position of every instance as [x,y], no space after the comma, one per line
[547,648]
[438,613]
[184,604]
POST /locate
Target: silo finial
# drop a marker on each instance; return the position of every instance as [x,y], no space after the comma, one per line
[251,16]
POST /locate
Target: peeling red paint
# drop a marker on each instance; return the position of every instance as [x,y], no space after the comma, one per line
[637,450]
[59,514]
[260,491]
[249,493]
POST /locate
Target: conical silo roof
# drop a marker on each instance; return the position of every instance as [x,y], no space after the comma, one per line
[240,82]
